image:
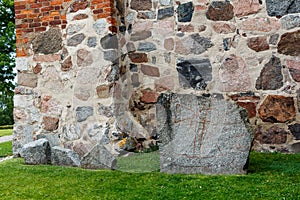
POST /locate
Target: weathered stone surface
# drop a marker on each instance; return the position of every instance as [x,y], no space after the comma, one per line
[282,7]
[250,107]
[92,42]
[298,99]
[290,21]
[141,5]
[186,28]
[99,157]
[74,28]
[274,135]
[146,46]
[103,91]
[53,139]
[135,80]
[296,147]
[149,96]
[67,64]
[87,75]
[142,35]
[80,17]
[53,44]
[271,77]
[234,75]
[37,69]
[84,58]
[223,27]
[79,5]
[277,108]
[64,157]
[165,83]
[192,44]
[109,41]
[165,13]
[28,80]
[220,11]
[294,69]
[82,94]
[194,73]
[100,26]
[111,55]
[165,2]
[185,12]
[274,39]
[260,24]
[76,40]
[289,44]
[82,113]
[147,15]
[259,43]
[50,123]
[36,152]
[169,44]
[150,70]
[295,130]
[195,136]
[138,57]
[245,7]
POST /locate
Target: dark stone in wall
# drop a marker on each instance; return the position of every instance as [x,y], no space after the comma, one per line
[165,13]
[146,46]
[138,57]
[140,35]
[295,129]
[259,43]
[82,113]
[289,44]
[282,7]
[141,5]
[111,55]
[76,40]
[220,11]
[67,64]
[273,135]
[298,99]
[270,76]
[109,41]
[194,73]
[92,42]
[185,12]
[48,42]
[274,39]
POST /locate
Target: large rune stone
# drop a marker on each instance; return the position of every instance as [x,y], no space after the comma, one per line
[202,135]
[36,152]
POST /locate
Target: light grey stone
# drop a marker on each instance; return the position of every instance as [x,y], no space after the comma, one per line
[92,42]
[109,41]
[165,2]
[202,135]
[100,26]
[36,152]
[64,157]
[99,157]
[53,139]
[146,46]
[74,28]
[82,113]
[290,21]
[76,40]
[111,55]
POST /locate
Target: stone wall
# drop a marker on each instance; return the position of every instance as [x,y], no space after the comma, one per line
[90,71]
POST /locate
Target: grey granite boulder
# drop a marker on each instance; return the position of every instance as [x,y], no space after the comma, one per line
[64,157]
[36,152]
[99,157]
[201,134]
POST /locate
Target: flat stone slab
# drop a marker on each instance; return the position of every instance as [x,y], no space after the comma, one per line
[203,135]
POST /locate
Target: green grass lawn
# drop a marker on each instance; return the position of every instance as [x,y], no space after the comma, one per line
[4,132]
[271,176]
[5,149]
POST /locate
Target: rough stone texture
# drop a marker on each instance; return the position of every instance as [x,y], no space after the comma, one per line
[36,152]
[138,57]
[109,42]
[245,7]
[146,46]
[282,7]
[271,76]
[294,69]
[277,108]
[67,64]
[194,73]
[195,136]
[82,113]
[84,58]
[259,43]
[103,91]
[53,44]
[220,11]
[99,157]
[295,130]
[185,12]
[260,24]
[273,135]
[289,44]
[76,40]
[150,70]
[28,80]
[141,4]
[165,13]
[64,157]
[290,21]
[50,123]
[79,5]
[142,35]
[193,44]
[274,39]
[223,27]
[234,75]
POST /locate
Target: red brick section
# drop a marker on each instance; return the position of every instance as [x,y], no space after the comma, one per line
[33,16]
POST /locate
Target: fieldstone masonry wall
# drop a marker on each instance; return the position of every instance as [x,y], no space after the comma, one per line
[90,71]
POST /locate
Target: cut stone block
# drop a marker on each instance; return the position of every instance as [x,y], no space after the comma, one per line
[202,135]
[36,152]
